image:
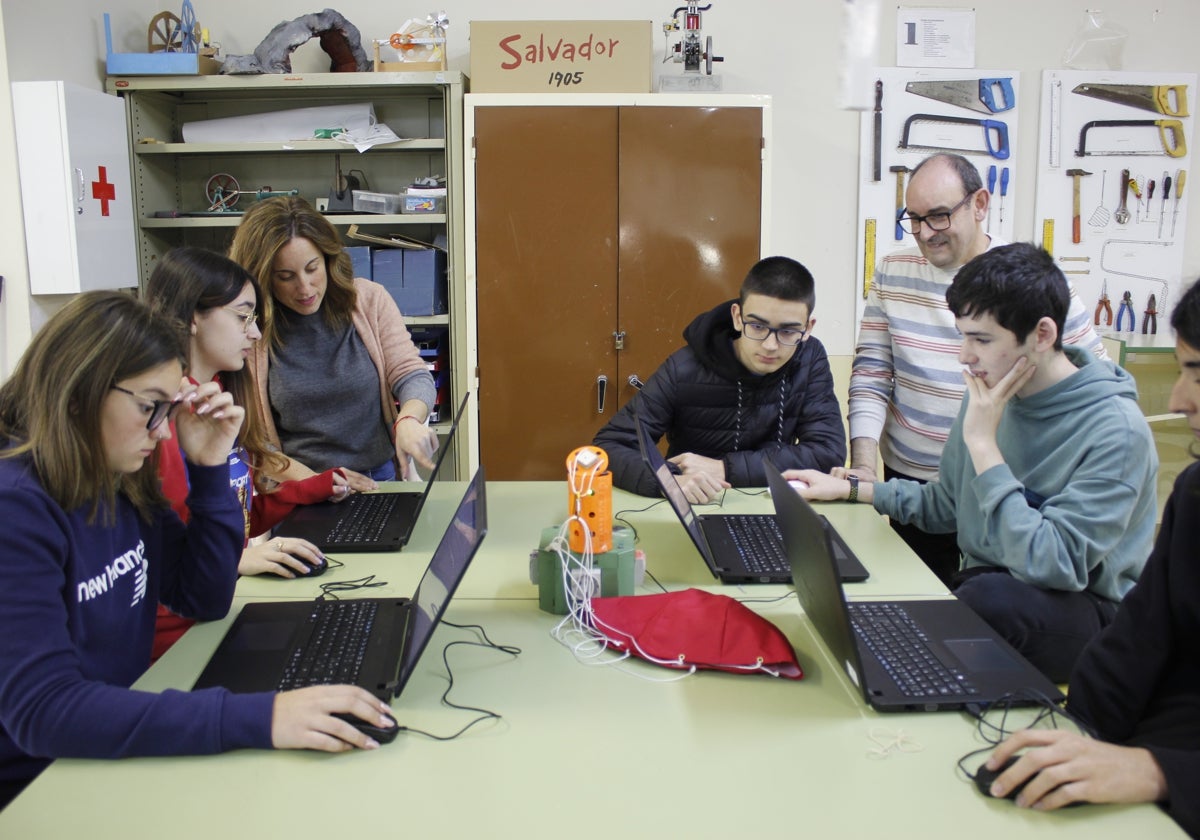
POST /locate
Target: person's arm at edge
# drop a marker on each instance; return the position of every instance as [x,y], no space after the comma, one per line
[1078,329]
[871,384]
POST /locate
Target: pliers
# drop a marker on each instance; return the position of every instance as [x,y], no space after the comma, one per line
[1126,306]
[1151,318]
[1103,306]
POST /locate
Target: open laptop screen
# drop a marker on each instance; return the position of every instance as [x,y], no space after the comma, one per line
[814,573]
[670,487]
[443,575]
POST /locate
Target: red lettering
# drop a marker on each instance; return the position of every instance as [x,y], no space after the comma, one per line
[504,42]
[540,51]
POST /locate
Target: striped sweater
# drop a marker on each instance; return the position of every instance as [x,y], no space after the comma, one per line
[906,384]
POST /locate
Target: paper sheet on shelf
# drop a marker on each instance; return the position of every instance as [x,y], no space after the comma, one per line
[281,126]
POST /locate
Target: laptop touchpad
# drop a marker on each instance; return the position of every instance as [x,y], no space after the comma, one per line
[982,655]
[263,635]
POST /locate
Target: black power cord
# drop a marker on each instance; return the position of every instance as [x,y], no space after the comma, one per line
[484,714]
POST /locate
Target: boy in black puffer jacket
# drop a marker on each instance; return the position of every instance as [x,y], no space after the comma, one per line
[751,383]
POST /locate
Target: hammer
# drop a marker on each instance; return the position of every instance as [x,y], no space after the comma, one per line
[1075,174]
[900,171]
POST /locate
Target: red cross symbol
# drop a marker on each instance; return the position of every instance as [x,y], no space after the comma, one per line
[104,191]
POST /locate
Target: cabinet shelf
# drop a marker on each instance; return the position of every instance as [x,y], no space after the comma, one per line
[419,144]
[424,108]
[427,320]
[231,220]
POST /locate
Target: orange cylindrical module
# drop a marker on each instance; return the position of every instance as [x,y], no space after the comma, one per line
[589,499]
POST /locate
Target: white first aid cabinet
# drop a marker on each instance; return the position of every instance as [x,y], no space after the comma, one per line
[73,154]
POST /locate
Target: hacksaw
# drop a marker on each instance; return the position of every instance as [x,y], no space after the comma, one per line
[943,133]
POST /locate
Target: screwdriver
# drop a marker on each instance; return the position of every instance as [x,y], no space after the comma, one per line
[1003,192]
[1180,179]
[1137,191]
[1149,198]
[1162,208]
[991,192]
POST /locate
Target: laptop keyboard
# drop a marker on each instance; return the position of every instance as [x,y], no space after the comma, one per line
[365,519]
[335,649]
[759,543]
[902,648]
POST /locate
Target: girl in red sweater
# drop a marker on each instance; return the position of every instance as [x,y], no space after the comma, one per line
[214,301]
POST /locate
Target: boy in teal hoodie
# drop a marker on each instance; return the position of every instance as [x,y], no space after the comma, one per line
[1048,473]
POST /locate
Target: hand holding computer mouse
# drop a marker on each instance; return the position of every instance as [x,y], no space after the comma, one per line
[316,718]
[1062,768]
[288,557]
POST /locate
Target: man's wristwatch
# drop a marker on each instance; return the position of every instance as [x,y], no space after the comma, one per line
[853,497]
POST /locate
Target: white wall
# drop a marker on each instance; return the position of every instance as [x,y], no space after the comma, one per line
[790,49]
[15,321]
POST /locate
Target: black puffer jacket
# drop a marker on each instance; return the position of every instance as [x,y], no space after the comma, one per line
[706,402]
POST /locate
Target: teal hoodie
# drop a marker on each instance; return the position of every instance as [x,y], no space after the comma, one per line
[1073,506]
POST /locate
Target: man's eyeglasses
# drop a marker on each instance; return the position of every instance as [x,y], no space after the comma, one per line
[248,318]
[911,222]
[160,411]
[787,336]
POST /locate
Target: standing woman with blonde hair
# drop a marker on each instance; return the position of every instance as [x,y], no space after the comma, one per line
[90,548]
[336,358]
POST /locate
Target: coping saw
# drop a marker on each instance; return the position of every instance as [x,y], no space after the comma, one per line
[999,150]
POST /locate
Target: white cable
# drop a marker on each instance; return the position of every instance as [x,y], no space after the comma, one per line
[887,741]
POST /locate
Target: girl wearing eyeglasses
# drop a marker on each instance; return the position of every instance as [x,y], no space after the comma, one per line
[90,548]
[215,301]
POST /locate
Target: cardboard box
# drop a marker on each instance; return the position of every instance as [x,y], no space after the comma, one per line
[360,261]
[424,282]
[416,279]
[561,56]
[387,269]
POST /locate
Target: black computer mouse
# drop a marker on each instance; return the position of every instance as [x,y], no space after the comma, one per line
[314,570]
[380,734]
[984,778]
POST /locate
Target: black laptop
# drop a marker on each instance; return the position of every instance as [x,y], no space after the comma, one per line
[737,547]
[370,642]
[956,659]
[366,521]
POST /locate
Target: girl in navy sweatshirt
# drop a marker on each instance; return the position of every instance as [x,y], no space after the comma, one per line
[91,547]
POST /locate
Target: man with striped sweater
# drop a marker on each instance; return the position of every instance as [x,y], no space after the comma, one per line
[906,385]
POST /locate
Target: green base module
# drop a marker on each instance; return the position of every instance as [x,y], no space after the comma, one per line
[616,568]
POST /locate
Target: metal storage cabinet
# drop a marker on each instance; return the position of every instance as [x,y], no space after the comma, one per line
[170,176]
[604,223]
[73,154]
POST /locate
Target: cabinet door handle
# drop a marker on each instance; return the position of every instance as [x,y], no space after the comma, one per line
[79,175]
[635,382]
[601,392]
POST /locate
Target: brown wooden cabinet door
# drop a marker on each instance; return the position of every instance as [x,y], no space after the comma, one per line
[691,187]
[594,220]
[546,275]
